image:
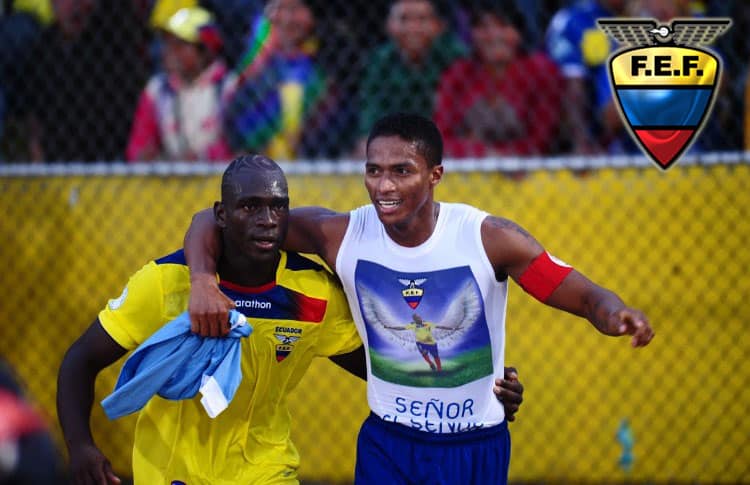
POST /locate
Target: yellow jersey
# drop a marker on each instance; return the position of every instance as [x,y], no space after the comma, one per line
[301,315]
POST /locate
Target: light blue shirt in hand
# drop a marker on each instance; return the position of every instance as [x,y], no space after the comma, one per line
[176,364]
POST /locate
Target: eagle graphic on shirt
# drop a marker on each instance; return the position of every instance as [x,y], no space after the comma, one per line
[452,306]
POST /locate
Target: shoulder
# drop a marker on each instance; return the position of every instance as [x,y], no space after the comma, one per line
[299,262]
[320,219]
[383,54]
[311,279]
[460,69]
[449,41]
[507,244]
[167,274]
[538,66]
[500,226]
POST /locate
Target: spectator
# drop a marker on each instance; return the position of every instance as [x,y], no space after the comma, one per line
[20,26]
[721,131]
[234,18]
[286,105]
[81,81]
[179,115]
[27,452]
[403,73]
[581,50]
[502,100]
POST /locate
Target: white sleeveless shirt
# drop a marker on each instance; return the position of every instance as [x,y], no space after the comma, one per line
[449,283]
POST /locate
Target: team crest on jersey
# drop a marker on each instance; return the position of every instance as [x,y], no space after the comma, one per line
[287,341]
[662,83]
[412,293]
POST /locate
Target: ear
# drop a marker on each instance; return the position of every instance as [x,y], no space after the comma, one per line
[220,214]
[436,175]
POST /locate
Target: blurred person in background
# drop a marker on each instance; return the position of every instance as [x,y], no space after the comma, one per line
[403,73]
[581,51]
[28,455]
[234,19]
[21,23]
[81,81]
[721,130]
[286,105]
[503,100]
[179,114]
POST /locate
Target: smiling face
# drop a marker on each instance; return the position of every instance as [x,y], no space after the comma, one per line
[400,183]
[253,214]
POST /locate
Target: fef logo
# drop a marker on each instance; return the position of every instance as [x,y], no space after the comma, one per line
[664,85]
[412,293]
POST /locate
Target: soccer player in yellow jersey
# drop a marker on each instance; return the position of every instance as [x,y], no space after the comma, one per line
[296,308]
[426,342]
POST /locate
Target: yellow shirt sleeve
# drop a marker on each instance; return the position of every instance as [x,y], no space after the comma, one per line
[339,333]
[137,312]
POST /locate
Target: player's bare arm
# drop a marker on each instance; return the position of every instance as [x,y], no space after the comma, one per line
[91,353]
[316,230]
[515,253]
[208,306]
[311,230]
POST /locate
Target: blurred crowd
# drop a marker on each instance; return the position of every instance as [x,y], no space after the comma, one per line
[188,80]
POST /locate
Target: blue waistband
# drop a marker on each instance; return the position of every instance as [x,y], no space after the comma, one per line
[471,435]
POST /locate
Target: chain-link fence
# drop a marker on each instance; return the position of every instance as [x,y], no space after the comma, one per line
[302,81]
[596,410]
[84,80]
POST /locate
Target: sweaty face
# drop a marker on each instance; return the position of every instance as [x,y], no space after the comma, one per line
[255,216]
[399,181]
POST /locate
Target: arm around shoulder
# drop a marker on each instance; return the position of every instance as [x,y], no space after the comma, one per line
[316,230]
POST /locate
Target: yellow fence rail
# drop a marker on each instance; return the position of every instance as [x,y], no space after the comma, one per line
[674,244]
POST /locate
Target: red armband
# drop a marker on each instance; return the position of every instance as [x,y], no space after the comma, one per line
[543,276]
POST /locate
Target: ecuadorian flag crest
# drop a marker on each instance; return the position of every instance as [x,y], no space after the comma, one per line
[664,86]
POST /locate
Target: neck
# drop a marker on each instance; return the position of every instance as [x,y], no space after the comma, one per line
[418,229]
[245,272]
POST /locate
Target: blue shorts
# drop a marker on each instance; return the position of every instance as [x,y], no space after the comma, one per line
[428,349]
[397,455]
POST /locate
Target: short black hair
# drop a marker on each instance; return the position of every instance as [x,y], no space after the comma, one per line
[506,10]
[412,127]
[250,163]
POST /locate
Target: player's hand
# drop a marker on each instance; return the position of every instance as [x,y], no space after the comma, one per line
[89,466]
[509,391]
[208,307]
[630,321]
